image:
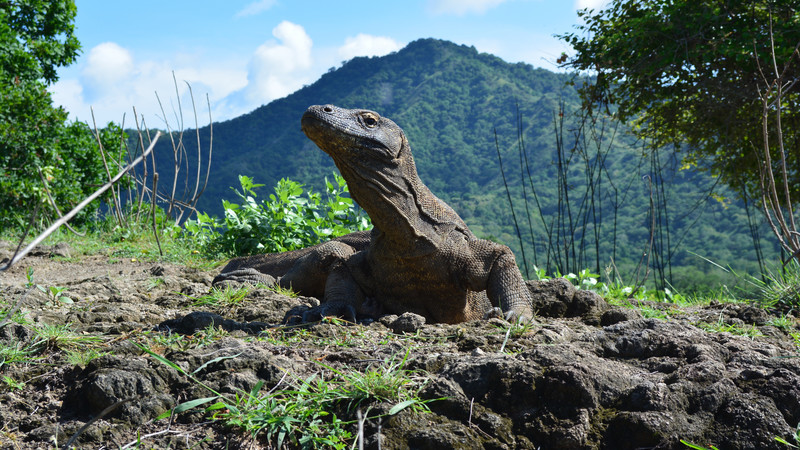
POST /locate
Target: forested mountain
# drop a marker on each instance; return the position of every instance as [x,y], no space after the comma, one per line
[594,197]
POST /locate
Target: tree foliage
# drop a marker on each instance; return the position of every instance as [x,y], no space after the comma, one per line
[36,140]
[689,72]
[37,37]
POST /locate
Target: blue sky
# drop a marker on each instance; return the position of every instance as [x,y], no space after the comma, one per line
[246,53]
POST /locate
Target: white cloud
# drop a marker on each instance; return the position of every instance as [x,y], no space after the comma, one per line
[461,7]
[368,45]
[255,8]
[112,81]
[277,68]
[108,65]
[591,4]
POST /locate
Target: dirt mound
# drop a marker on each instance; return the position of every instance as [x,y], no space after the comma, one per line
[588,375]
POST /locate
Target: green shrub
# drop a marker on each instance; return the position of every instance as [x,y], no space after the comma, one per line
[286,221]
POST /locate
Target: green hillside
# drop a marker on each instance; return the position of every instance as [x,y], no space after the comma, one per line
[450,99]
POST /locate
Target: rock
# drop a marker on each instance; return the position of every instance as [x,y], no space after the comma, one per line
[407,323]
[551,298]
[62,249]
[557,297]
[618,315]
[634,384]
[128,386]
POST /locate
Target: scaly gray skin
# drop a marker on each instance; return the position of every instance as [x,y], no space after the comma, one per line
[420,256]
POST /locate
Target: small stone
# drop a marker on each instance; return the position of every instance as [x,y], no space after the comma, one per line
[407,323]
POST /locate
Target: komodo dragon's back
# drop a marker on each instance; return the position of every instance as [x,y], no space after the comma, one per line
[420,255]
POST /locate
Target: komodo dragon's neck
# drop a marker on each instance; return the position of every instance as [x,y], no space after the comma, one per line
[374,156]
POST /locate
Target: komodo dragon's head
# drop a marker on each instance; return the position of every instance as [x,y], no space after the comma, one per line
[372,154]
[355,136]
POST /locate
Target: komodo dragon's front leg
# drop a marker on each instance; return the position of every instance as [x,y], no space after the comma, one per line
[492,267]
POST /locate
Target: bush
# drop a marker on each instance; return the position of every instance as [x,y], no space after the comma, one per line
[287,221]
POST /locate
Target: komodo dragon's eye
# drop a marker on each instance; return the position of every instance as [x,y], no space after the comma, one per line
[370,120]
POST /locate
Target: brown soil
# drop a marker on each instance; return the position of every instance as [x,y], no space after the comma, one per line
[586,376]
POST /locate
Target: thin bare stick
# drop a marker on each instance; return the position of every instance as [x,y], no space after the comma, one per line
[645,259]
[80,206]
[210,145]
[197,133]
[153,212]
[144,176]
[174,153]
[360,434]
[117,211]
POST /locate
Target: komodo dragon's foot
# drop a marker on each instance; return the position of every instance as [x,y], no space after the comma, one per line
[330,309]
[239,276]
[510,316]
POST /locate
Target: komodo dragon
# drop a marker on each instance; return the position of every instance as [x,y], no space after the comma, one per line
[419,257]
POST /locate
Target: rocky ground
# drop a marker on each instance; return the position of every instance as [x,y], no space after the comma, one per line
[94,366]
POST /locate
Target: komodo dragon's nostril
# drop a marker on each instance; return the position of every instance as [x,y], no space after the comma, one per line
[327,108]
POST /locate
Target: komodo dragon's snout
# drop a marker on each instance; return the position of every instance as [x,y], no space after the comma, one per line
[420,256]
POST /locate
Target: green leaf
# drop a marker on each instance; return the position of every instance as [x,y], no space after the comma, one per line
[401,406]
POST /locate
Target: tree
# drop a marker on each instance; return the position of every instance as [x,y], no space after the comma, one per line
[36,142]
[691,73]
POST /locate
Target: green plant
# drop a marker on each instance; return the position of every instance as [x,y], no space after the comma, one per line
[278,289]
[296,416]
[286,222]
[783,322]
[82,357]
[780,289]
[720,326]
[62,337]
[641,52]
[56,293]
[11,313]
[12,353]
[12,383]
[388,382]
[515,329]
[795,437]
[585,279]
[226,296]
[156,342]
[698,447]
[796,338]
[301,414]
[29,278]
[155,282]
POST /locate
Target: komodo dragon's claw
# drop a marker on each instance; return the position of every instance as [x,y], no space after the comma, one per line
[510,316]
